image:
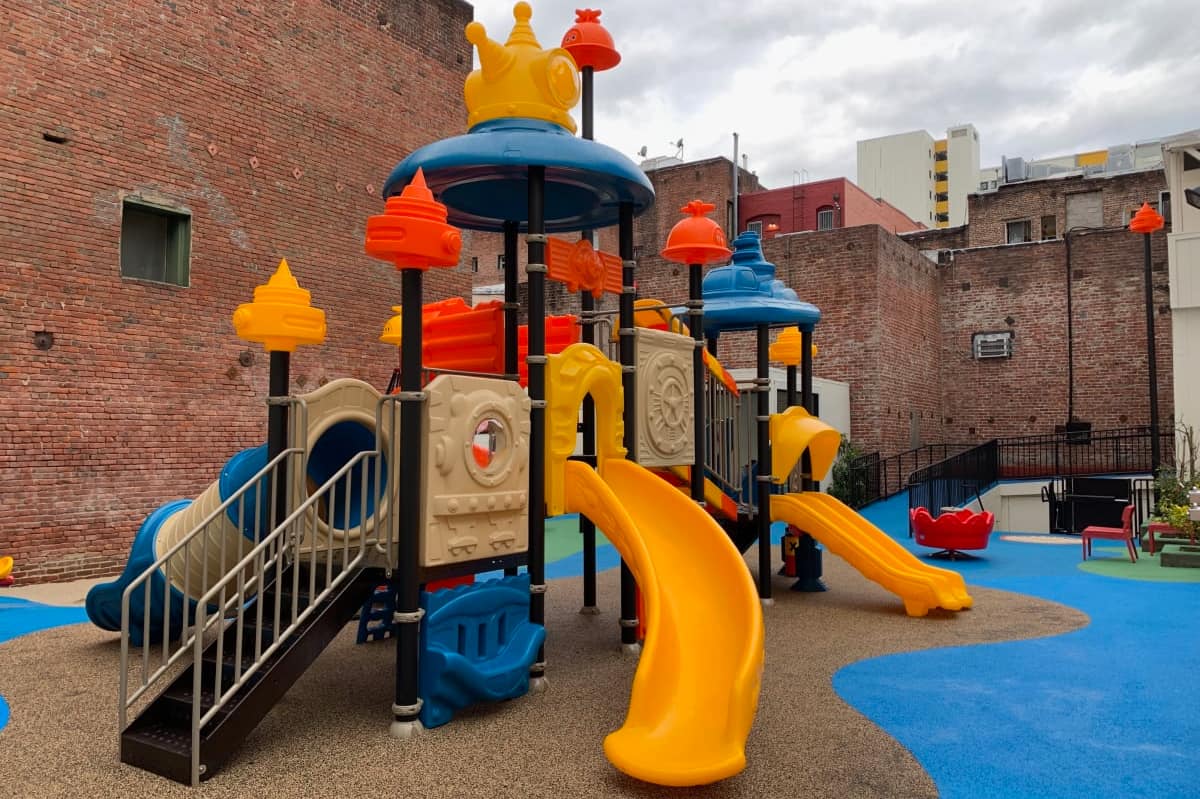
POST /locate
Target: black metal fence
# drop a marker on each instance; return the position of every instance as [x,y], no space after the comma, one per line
[873,477]
[956,480]
[1120,451]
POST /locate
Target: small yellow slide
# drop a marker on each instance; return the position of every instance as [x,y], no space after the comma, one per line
[873,552]
[696,689]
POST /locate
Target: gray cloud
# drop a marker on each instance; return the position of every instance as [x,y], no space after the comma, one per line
[803,81]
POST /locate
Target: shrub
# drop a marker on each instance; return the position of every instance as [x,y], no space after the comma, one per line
[847,483]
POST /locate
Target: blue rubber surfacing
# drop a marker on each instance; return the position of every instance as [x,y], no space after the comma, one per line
[1105,711]
[20,616]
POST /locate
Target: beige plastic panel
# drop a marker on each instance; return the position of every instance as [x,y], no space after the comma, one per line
[665,427]
[346,400]
[473,511]
[205,563]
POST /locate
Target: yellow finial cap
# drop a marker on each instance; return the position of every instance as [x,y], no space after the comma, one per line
[787,348]
[519,78]
[281,317]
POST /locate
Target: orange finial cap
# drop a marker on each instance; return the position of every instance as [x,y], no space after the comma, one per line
[412,231]
[696,239]
[589,43]
[1146,220]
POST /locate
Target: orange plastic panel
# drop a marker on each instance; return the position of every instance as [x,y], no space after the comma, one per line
[583,268]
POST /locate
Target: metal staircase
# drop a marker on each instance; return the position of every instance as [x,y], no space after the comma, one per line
[161,738]
[228,654]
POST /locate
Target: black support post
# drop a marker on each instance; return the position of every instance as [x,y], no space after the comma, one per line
[696,324]
[277,434]
[791,386]
[1152,361]
[587,305]
[511,308]
[511,305]
[536,359]
[808,555]
[763,388]
[806,370]
[629,621]
[407,617]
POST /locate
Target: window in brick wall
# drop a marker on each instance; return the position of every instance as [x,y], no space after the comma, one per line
[1018,231]
[155,243]
[474,263]
[985,346]
[1164,206]
[1049,227]
[499,263]
[825,219]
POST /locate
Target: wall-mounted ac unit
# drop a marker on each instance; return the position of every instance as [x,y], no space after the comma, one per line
[985,346]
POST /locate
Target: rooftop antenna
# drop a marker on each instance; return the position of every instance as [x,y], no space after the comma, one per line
[642,152]
[678,145]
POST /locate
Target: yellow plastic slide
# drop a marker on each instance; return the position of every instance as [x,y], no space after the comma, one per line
[873,552]
[696,689]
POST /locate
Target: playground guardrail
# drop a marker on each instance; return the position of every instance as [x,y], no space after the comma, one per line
[875,477]
[1076,454]
[179,617]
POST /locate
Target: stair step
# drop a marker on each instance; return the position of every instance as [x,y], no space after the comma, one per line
[161,747]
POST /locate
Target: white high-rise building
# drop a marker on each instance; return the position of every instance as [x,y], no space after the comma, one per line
[928,179]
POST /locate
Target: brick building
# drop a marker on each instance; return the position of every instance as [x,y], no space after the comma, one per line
[216,139]
[820,205]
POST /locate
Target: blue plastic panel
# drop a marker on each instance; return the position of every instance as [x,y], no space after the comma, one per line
[477,645]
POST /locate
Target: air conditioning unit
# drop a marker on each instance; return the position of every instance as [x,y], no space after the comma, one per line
[986,346]
[945,257]
[1014,169]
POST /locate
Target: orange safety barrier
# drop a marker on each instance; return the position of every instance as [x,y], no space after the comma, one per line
[460,337]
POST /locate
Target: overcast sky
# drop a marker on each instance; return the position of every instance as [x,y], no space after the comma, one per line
[802,81]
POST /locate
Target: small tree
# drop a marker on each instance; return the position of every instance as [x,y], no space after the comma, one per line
[847,482]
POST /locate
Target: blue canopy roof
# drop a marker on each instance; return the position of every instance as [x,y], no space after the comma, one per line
[745,294]
[482,177]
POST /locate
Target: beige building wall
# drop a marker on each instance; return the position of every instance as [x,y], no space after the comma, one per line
[1182,161]
[962,158]
[899,169]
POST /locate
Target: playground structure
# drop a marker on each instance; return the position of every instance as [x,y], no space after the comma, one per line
[6,565]
[453,471]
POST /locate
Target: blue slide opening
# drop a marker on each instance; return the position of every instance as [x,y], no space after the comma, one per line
[336,447]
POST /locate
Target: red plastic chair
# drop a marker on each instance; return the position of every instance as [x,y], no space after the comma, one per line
[952,532]
[1122,533]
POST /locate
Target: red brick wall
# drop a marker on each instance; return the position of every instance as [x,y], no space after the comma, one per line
[674,187]
[860,208]
[910,358]
[949,238]
[1032,200]
[794,208]
[142,399]
[1028,394]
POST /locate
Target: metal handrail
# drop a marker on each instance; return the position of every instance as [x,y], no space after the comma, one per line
[222,694]
[298,421]
[721,423]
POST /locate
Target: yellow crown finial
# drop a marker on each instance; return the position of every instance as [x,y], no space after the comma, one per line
[519,78]
[522,32]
